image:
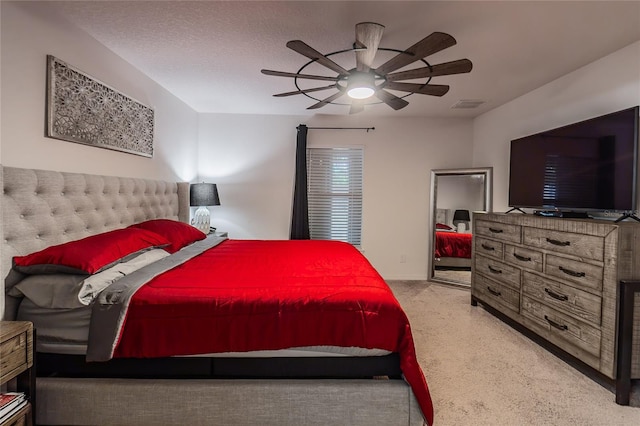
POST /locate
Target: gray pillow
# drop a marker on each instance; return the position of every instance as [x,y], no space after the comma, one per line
[55,291]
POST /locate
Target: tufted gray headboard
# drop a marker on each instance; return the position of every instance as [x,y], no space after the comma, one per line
[41,208]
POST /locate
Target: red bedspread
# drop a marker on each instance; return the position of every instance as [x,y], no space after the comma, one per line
[453,244]
[258,295]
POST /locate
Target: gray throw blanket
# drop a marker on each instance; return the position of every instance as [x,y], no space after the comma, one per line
[110,307]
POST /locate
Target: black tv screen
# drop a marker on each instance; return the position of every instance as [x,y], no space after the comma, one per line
[590,165]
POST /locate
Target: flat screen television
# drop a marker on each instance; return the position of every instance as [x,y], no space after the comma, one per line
[585,166]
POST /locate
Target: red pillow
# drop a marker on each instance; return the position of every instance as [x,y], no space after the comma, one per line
[91,254]
[178,234]
[443,226]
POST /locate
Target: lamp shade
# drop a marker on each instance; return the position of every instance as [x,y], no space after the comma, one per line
[204,194]
[461,215]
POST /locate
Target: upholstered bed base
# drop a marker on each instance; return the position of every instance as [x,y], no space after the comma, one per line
[226,402]
[452,263]
[43,208]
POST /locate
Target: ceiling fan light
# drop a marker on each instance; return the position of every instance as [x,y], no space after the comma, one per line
[362,92]
[360,85]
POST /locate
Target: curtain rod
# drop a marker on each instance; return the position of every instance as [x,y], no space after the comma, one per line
[342,128]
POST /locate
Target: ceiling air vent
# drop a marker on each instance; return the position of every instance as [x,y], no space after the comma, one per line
[467,104]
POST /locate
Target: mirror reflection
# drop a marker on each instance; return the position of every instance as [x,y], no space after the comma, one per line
[455,195]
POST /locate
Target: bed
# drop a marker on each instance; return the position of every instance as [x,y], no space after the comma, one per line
[243,373]
[452,250]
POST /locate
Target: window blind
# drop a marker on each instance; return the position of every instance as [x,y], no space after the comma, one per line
[334,182]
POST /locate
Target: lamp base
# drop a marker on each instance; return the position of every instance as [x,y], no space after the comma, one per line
[461,227]
[202,219]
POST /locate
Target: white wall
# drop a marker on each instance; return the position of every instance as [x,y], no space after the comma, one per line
[29,33]
[251,158]
[607,85]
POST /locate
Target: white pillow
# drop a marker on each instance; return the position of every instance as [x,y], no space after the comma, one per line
[94,284]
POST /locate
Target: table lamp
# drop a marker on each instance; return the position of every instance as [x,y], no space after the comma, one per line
[202,195]
[460,219]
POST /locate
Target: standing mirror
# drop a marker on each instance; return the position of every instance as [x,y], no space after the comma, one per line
[455,195]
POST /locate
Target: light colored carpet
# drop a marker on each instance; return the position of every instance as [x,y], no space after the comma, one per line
[480,371]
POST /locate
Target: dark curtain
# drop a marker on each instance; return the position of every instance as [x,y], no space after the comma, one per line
[300,216]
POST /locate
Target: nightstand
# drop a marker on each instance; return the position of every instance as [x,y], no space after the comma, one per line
[17,370]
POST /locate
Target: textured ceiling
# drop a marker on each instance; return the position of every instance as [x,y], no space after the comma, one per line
[210,53]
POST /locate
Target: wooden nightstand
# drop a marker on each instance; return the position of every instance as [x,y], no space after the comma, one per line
[17,370]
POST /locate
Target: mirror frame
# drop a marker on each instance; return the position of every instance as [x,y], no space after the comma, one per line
[488,202]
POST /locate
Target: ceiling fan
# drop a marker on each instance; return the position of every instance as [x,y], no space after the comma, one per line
[363,82]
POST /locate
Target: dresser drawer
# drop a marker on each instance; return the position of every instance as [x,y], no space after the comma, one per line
[575,302]
[524,257]
[585,275]
[488,247]
[570,330]
[501,231]
[494,293]
[13,356]
[498,271]
[581,245]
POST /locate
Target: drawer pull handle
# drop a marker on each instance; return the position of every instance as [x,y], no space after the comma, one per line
[494,292]
[494,270]
[554,324]
[558,243]
[572,273]
[487,247]
[555,295]
[496,231]
[521,258]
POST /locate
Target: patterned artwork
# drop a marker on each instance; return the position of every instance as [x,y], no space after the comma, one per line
[83,110]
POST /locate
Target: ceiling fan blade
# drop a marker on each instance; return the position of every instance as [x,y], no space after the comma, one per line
[460,66]
[428,89]
[368,36]
[356,106]
[300,92]
[327,100]
[392,100]
[311,53]
[427,46]
[292,74]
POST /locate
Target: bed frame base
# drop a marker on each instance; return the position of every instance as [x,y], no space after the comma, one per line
[343,367]
[452,263]
[66,401]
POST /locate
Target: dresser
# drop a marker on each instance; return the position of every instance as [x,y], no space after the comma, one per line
[16,366]
[558,278]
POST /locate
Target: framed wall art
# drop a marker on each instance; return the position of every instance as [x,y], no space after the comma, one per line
[83,110]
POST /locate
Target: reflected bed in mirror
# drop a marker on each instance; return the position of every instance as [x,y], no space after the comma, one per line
[455,195]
